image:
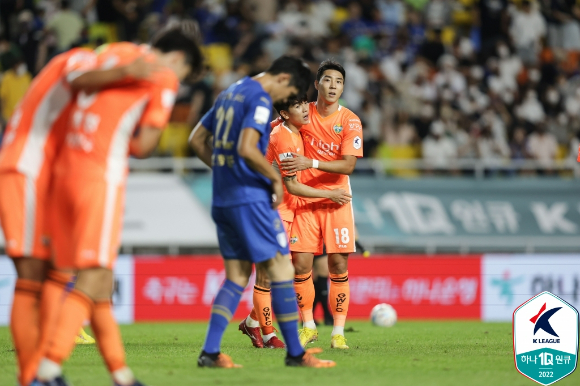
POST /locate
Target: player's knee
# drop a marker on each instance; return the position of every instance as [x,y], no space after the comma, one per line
[262,277]
[31,269]
[96,283]
[280,268]
[301,267]
[337,263]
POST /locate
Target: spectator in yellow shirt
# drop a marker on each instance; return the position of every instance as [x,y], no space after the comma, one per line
[13,86]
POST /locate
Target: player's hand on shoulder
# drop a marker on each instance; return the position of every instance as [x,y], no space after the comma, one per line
[277,193]
[296,163]
[340,196]
[276,122]
[141,68]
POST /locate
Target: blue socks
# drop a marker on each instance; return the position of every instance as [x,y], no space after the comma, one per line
[286,311]
[224,306]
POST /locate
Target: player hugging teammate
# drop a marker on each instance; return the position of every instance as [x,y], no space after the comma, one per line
[285,140]
[63,169]
[315,146]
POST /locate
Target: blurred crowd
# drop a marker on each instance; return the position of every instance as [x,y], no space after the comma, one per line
[441,80]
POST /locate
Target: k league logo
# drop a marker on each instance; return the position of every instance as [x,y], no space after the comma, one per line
[545,330]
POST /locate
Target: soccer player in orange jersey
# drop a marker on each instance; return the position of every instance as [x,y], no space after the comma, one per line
[285,139]
[332,144]
[87,196]
[33,137]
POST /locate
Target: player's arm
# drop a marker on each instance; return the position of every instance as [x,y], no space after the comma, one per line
[154,118]
[339,196]
[299,162]
[98,78]
[200,142]
[144,142]
[248,150]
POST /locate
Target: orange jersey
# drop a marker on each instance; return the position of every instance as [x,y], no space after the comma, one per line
[328,139]
[283,142]
[102,123]
[36,129]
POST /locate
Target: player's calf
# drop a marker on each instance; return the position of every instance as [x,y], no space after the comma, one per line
[224,306]
[90,299]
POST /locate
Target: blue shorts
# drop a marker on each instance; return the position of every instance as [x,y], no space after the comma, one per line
[252,232]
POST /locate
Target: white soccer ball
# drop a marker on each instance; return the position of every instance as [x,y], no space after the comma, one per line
[383,315]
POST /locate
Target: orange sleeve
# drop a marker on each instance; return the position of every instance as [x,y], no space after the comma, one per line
[271,151]
[162,98]
[284,149]
[352,139]
[79,62]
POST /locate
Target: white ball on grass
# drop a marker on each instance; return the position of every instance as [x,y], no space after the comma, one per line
[383,315]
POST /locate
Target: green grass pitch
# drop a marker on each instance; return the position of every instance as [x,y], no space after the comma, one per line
[411,353]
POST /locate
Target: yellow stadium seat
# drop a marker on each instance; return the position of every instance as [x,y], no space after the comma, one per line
[448,35]
[174,140]
[105,31]
[385,151]
[219,57]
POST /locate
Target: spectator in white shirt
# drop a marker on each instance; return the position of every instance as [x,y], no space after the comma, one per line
[531,109]
[527,28]
[67,25]
[542,146]
[491,150]
[439,150]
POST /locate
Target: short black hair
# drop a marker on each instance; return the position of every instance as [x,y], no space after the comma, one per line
[182,36]
[301,77]
[330,64]
[285,105]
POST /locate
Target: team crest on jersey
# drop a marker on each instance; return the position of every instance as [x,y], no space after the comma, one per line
[337,128]
[293,239]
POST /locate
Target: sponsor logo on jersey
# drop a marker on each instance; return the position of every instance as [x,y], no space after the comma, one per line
[326,148]
[355,126]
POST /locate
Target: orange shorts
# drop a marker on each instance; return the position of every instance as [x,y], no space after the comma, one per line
[85,222]
[287,227]
[316,223]
[23,214]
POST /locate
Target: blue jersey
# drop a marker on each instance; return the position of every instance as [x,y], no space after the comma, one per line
[243,105]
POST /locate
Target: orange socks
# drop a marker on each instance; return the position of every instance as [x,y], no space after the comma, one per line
[53,292]
[339,298]
[108,336]
[304,287]
[53,295]
[24,320]
[75,310]
[263,309]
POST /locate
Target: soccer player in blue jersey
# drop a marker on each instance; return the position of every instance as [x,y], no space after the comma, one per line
[246,193]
